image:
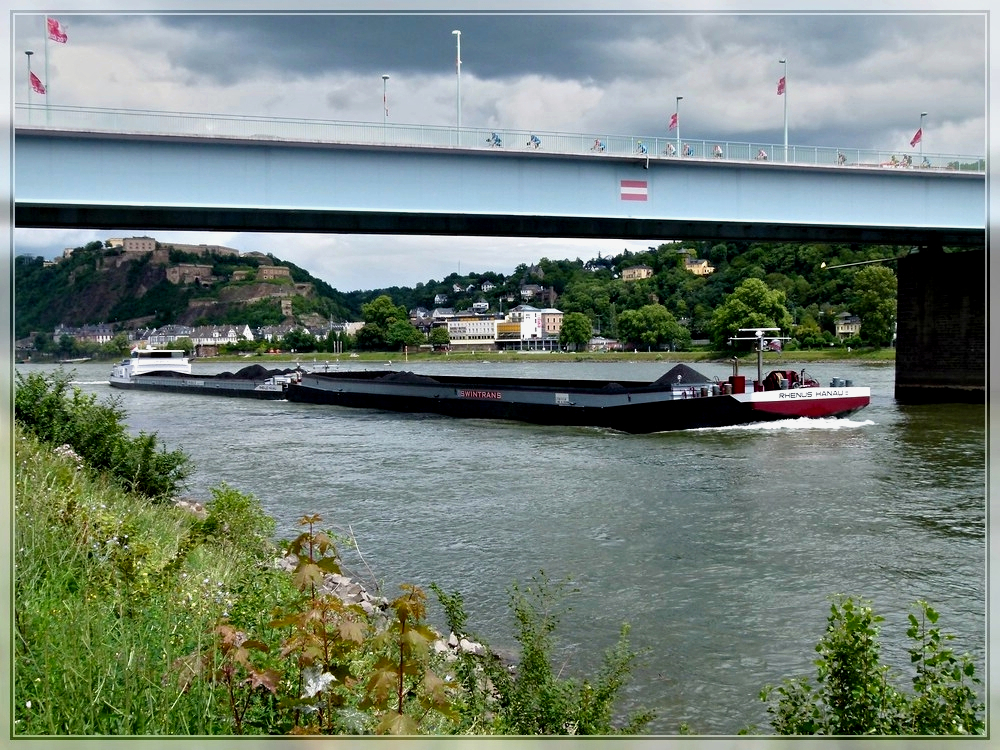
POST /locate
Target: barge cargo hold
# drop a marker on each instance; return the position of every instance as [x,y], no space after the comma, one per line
[170,370]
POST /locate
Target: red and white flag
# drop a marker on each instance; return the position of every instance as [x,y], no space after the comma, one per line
[56,32]
[634,190]
[916,137]
[673,122]
[36,85]
[781,85]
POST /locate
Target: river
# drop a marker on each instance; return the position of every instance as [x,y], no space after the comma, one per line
[720,547]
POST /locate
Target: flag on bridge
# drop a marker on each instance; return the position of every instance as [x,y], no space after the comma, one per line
[916,137]
[634,190]
[36,85]
[673,122]
[781,85]
[56,32]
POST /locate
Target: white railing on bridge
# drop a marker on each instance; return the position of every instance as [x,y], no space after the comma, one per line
[501,139]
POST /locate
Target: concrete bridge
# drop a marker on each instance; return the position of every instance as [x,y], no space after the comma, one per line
[113,169]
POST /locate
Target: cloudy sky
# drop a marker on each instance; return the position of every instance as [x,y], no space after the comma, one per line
[854,80]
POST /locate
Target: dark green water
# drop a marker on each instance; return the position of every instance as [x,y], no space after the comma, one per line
[719,547]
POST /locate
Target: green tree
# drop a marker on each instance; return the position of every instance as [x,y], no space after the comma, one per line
[184,343]
[653,326]
[751,305]
[439,336]
[576,330]
[403,333]
[118,345]
[874,302]
[371,337]
[382,312]
[298,340]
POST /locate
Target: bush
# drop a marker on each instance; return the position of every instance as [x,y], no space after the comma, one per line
[853,695]
[60,415]
[533,700]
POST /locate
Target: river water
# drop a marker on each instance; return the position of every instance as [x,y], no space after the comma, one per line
[719,547]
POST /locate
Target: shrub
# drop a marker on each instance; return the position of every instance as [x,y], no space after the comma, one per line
[533,700]
[59,414]
[853,695]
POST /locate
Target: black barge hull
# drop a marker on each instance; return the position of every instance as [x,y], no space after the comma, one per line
[624,406]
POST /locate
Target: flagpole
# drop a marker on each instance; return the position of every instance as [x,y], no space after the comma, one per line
[29,53]
[784,77]
[385,104]
[458,77]
[677,111]
[922,116]
[46,82]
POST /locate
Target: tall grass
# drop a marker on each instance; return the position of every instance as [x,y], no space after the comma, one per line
[106,599]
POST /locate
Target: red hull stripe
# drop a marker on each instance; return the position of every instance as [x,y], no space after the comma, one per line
[819,408]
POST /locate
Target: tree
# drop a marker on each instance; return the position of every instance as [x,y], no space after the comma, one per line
[381,312]
[403,333]
[874,302]
[653,326]
[439,336]
[371,337]
[751,305]
[576,330]
[298,340]
[184,343]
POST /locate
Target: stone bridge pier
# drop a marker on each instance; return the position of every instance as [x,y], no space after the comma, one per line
[941,327]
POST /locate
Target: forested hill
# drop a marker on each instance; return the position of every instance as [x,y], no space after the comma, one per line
[98,284]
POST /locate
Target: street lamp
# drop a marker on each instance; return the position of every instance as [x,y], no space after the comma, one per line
[385,102]
[922,116]
[677,112]
[458,74]
[784,92]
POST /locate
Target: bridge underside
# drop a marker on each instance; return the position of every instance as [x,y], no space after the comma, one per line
[150,218]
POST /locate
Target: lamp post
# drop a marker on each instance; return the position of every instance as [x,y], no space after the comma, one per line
[458,75]
[784,92]
[29,53]
[677,111]
[385,102]
[922,116]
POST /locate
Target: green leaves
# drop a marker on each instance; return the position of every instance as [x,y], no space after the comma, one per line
[853,695]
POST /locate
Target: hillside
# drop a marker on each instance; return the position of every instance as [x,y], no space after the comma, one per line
[98,284]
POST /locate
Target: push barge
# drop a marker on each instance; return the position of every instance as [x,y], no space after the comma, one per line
[682,399]
[170,370]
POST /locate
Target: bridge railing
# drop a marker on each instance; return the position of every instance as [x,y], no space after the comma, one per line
[500,139]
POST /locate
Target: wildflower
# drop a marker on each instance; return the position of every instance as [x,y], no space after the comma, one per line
[28,704]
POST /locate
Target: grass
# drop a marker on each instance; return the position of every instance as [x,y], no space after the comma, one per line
[106,601]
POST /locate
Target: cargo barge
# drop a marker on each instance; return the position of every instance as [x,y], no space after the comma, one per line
[170,370]
[681,399]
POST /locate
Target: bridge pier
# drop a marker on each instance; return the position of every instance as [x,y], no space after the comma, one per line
[941,327]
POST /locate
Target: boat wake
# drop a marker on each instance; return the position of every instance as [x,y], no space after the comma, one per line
[89,382]
[800,423]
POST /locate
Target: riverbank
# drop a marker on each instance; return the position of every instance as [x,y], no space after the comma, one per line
[834,354]
[773,359]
